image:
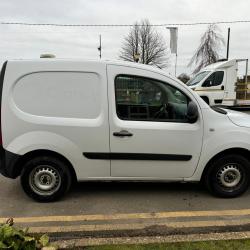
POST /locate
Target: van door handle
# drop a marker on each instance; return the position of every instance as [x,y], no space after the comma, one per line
[222,87]
[122,133]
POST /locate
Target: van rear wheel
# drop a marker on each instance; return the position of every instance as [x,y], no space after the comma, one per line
[228,176]
[45,178]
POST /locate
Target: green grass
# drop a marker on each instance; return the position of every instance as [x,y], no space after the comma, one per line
[203,245]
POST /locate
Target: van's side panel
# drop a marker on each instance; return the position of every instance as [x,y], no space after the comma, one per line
[60,106]
[230,93]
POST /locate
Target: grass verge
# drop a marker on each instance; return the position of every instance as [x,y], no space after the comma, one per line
[204,245]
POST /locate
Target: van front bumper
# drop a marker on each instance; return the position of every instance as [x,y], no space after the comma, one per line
[8,163]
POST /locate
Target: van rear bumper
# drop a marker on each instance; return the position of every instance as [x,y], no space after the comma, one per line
[8,160]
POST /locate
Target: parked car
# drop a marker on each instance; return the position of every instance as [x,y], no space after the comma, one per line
[70,120]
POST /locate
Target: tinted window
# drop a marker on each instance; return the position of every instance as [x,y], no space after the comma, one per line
[146,99]
[214,79]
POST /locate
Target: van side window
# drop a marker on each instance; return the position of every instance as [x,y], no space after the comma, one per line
[139,98]
[214,79]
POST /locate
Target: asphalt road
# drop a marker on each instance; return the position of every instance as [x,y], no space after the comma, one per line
[111,198]
[123,197]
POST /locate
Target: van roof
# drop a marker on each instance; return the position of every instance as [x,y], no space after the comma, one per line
[221,65]
[100,61]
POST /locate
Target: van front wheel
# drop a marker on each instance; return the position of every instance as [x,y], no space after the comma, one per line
[228,176]
[45,178]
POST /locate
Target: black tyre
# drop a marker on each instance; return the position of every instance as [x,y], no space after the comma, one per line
[45,178]
[228,176]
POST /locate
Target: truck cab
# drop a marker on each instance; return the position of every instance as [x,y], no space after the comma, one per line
[217,84]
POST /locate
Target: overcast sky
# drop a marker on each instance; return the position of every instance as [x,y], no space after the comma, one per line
[30,42]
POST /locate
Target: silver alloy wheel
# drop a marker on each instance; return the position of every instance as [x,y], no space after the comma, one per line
[44,180]
[229,176]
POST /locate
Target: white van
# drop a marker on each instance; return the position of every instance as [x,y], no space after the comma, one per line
[219,84]
[68,120]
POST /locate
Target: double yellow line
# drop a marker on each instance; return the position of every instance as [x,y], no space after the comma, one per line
[138,226]
[124,216]
[109,221]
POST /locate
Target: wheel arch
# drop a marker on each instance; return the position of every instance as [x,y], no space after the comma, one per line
[240,151]
[40,152]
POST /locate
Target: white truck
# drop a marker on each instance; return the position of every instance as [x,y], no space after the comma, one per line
[219,84]
[68,120]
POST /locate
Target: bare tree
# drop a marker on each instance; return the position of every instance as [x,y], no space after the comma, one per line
[145,45]
[207,51]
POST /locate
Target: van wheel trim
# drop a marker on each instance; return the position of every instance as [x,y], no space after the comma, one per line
[44,180]
[229,176]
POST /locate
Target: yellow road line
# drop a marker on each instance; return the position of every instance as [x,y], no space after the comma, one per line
[106,217]
[136,226]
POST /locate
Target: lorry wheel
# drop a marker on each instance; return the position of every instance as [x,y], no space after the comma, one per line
[45,178]
[228,176]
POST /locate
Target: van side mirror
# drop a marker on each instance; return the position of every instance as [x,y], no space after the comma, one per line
[192,112]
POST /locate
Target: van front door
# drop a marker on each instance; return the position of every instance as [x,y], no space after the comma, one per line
[150,137]
[214,87]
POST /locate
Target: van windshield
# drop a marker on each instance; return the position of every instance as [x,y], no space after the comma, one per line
[197,78]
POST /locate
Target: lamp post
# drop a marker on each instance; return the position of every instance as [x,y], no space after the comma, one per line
[228,41]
